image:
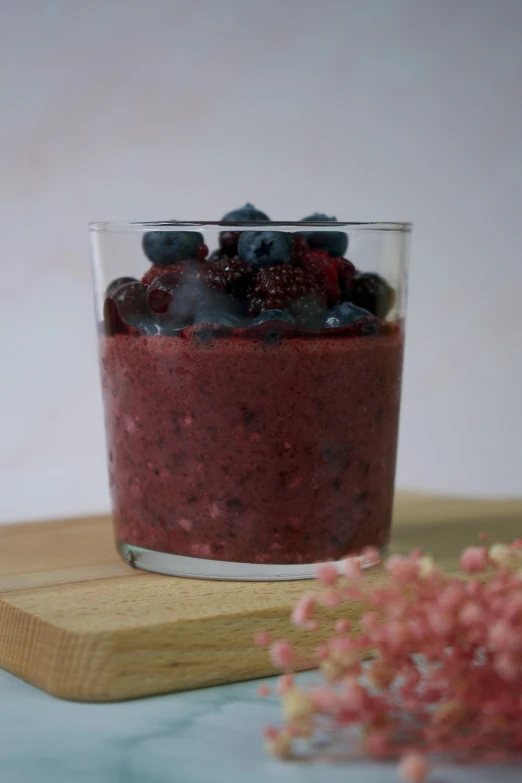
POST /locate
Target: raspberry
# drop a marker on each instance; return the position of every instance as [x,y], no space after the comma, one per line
[158,269]
[347,273]
[229,275]
[290,288]
[326,270]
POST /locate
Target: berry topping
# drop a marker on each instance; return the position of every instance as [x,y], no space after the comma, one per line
[112,322]
[216,255]
[265,248]
[299,249]
[271,324]
[346,277]
[202,252]
[175,296]
[130,301]
[334,242]
[111,317]
[271,316]
[216,317]
[155,271]
[326,269]
[228,240]
[229,275]
[289,288]
[373,293]
[113,287]
[161,292]
[246,214]
[348,314]
[168,247]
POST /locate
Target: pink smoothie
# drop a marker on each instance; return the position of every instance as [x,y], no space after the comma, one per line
[242,450]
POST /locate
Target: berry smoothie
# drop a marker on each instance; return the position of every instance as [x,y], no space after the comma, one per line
[251,377]
[252,450]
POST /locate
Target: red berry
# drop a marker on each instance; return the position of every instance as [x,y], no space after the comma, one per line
[229,275]
[326,270]
[299,249]
[202,252]
[155,271]
[175,296]
[290,288]
[161,292]
[347,273]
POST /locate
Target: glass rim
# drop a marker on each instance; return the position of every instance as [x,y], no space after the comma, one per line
[175,225]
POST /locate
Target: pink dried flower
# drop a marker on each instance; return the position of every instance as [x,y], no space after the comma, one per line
[413,768]
[471,613]
[352,594]
[262,639]
[370,556]
[285,683]
[377,744]
[303,610]
[282,654]
[326,573]
[507,666]
[474,559]
[463,701]
[351,568]
[402,569]
[330,598]
[324,699]
[270,732]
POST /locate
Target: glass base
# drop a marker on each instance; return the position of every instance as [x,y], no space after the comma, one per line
[201,568]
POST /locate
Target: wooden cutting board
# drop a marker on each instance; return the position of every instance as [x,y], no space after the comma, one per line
[78,622]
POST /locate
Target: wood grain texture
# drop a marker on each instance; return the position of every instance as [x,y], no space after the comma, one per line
[79,623]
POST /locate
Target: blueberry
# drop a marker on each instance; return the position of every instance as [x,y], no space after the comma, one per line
[173,298]
[334,242]
[113,323]
[246,214]
[216,317]
[228,239]
[345,314]
[372,292]
[130,301]
[369,325]
[113,287]
[269,316]
[169,247]
[265,248]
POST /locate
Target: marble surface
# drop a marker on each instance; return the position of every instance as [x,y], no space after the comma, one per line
[206,736]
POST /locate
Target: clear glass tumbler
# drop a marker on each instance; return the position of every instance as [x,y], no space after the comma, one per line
[251,377]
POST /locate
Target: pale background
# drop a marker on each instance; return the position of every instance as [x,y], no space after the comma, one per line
[383,109]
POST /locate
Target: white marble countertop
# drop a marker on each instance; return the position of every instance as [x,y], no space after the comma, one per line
[206,736]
